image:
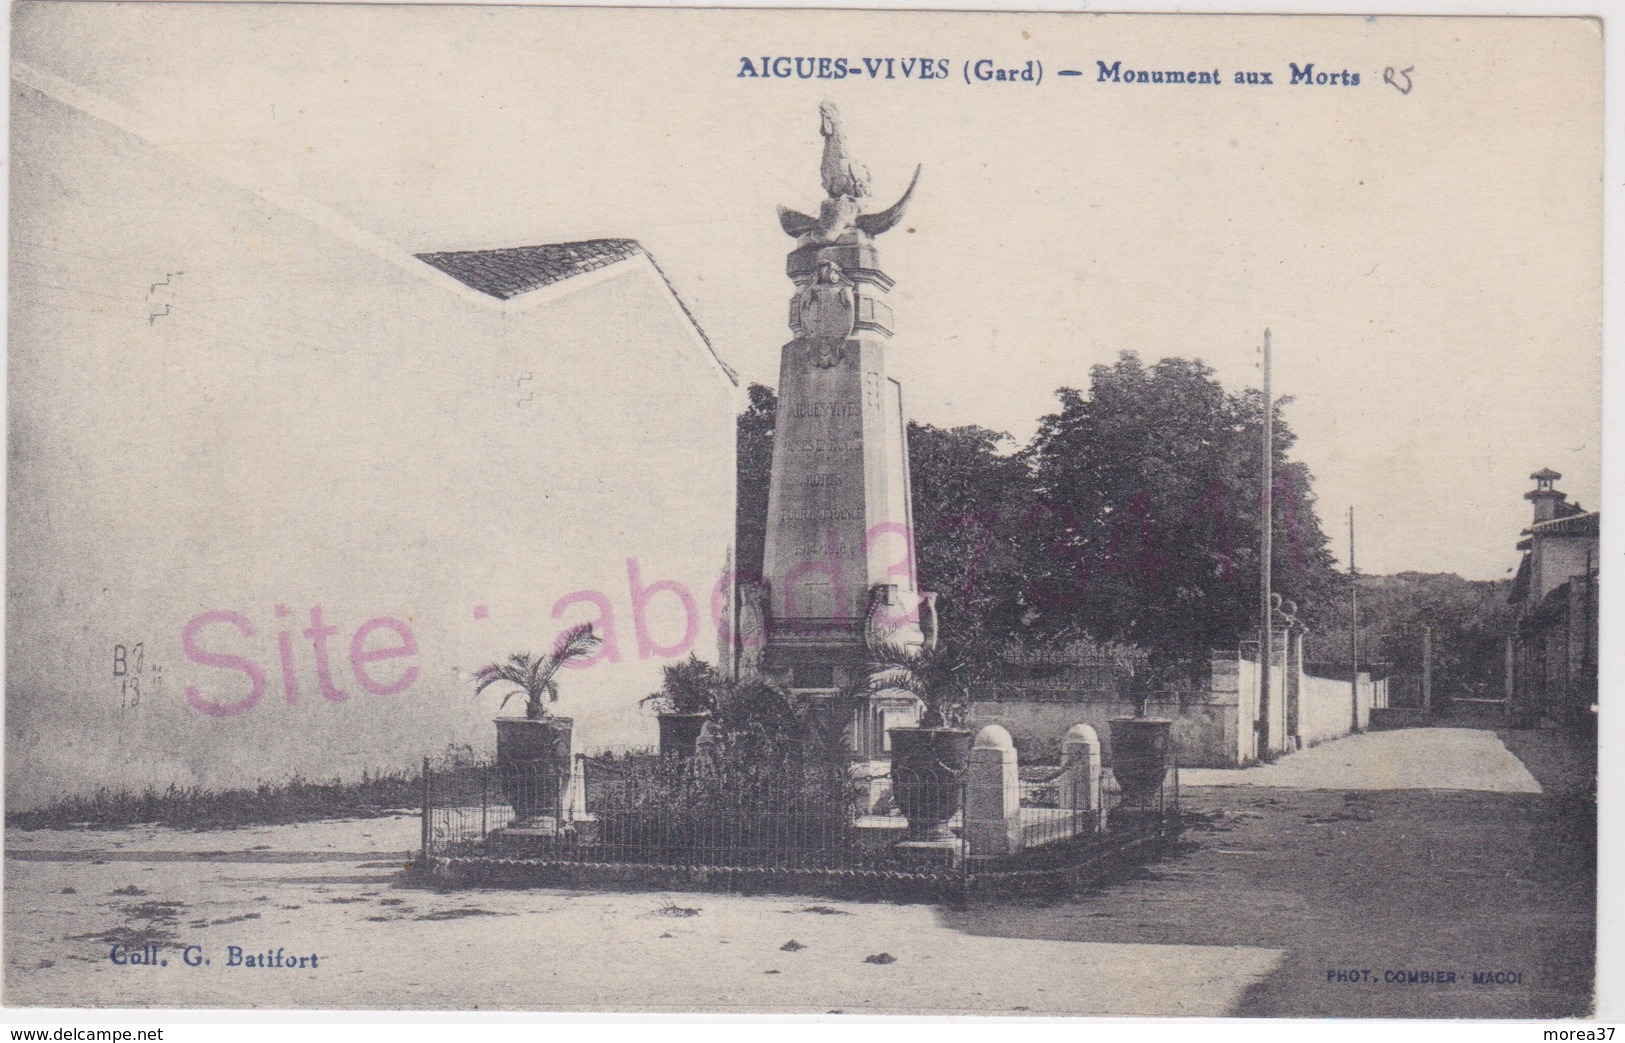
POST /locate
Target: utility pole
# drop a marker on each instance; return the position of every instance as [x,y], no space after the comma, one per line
[1266,525]
[1427,668]
[1354,631]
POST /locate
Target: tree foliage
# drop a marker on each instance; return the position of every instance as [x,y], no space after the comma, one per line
[1468,621]
[754,454]
[1148,513]
[1132,517]
[971,493]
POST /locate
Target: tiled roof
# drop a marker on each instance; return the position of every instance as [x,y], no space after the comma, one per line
[508,273]
[1573,525]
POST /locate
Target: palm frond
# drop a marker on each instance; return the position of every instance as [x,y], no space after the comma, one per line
[494,674]
[576,642]
[882,676]
[892,654]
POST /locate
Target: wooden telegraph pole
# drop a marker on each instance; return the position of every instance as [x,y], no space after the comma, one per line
[1427,668]
[1266,525]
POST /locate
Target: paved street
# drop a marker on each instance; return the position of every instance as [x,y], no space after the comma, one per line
[1280,882]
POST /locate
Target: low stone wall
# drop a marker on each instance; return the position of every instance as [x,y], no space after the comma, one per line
[1204,731]
[1037,727]
[1212,729]
[1323,709]
[1304,709]
[1204,734]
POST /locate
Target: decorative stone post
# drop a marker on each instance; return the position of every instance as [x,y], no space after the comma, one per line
[1079,784]
[993,795]
[1292,679]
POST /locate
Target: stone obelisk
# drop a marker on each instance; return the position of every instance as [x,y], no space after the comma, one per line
[839,562]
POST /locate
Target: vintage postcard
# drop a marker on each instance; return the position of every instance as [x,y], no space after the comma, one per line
[555,509]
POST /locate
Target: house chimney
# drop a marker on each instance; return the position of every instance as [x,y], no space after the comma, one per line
[1545,498]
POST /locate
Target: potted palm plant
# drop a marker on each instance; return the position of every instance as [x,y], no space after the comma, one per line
[533,751]
[686,700]
[928,761]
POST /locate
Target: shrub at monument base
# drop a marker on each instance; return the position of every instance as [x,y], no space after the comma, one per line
[679,732]
[724,806]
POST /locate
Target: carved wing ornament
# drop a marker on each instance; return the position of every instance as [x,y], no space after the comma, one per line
[838,215]
[795,223]
[886,220]
[846,182]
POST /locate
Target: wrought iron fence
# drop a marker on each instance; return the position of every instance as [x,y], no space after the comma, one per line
[797,816]
[1142,788]
[1061,803]
[642,809]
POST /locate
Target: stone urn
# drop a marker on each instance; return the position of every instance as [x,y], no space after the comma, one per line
[927,771]
[533,761]
[680,732]
[1139,755]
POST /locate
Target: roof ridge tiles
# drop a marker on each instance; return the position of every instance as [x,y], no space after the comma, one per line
[507,272]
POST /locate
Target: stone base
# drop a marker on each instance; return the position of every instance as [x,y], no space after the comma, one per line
[873,779]
[879,832]
[582,826]
[540,826]
[945,853]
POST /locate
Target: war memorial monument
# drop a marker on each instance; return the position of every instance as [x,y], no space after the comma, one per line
[839,574]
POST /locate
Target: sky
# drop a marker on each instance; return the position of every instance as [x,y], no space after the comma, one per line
[1428,262]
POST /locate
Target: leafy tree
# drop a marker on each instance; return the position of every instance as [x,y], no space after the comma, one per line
[970,494]
[1469,620]
[754,455]
[1147,514]
[1133,517]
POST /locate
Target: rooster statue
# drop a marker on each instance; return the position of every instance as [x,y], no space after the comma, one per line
[846,182]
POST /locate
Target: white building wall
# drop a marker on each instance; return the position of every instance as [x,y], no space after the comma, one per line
[1557,560]
[219,406]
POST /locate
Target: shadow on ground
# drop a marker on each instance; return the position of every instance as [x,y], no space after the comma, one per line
[1368,881]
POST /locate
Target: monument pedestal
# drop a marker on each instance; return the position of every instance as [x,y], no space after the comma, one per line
[838,568]
[934,853]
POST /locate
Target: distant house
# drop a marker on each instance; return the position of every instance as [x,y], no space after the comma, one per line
[277,486]
[1554,598]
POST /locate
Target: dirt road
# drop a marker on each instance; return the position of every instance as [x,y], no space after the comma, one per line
[1361,887]
[1277,891]
[303,890]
